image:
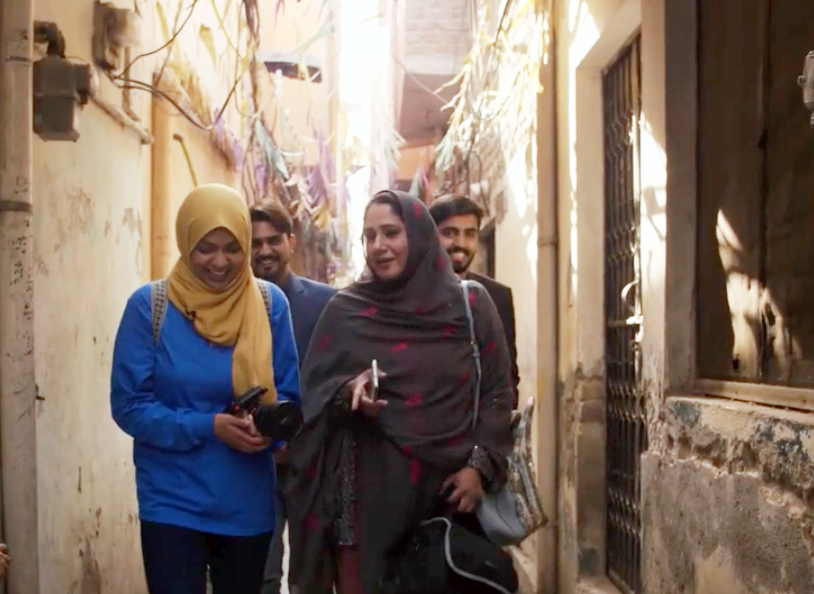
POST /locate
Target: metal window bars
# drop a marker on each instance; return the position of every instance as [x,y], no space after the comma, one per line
[626,422]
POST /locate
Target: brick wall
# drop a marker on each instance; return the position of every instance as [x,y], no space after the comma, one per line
[437,33]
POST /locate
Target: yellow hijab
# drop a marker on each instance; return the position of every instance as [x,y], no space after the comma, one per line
[236,316]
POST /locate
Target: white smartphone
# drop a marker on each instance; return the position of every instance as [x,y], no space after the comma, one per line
[374,392]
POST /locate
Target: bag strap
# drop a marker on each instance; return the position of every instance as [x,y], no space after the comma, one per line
[447,523]
[473,341]
[158,303]
[265,291]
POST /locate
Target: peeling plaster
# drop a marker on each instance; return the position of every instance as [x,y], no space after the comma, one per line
[732,437]
[581,478]
[727,495]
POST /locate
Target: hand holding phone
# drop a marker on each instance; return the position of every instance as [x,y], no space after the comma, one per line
[374,381]
[364,391]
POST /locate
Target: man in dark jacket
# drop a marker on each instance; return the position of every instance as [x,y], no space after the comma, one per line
[273,243]
[458,219]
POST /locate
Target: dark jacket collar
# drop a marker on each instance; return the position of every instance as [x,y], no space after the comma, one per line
[294,285]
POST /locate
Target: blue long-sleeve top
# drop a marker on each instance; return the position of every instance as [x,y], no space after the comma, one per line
[166,394]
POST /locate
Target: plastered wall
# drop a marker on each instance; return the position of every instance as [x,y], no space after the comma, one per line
[91,224]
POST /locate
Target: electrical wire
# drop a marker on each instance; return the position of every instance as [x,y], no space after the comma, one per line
[252,16]
[142,86]
[137,85]
[169,42]
[412,77]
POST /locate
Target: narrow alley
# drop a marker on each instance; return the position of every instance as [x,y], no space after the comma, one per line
[572,237]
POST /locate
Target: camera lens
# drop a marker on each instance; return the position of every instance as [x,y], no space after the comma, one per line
[279,420]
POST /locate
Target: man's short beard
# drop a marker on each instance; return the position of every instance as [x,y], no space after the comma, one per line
[272,277]
[464,266]
[460,268]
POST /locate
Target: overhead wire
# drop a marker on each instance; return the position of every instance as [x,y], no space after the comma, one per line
[142,86]
[170,41]
[416,80]
[251,22]
[133,84]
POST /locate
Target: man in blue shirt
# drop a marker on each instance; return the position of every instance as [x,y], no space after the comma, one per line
[273,242]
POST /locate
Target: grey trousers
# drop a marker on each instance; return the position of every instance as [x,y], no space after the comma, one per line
[273,575]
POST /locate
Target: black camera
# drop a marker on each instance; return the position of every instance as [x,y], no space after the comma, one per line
[279,421]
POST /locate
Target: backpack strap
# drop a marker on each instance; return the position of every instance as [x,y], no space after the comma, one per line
[473,341]
[158,303]
[266,293]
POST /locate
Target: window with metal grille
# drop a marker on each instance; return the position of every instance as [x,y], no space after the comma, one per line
[626,426]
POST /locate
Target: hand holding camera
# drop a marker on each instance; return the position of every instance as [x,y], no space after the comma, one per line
[240,433]
[249,426]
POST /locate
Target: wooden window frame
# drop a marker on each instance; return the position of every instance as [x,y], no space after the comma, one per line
[680,374]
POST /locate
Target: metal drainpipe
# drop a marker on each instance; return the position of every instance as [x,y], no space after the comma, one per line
[161,214]
[18,394]
[547,413]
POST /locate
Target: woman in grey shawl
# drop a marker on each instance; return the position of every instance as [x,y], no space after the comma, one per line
[369,469]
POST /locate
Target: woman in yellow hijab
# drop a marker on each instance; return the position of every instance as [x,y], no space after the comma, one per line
[186,347]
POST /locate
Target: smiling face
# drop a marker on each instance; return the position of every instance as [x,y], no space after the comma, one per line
[459,236]
[271,252]
[217,259]
[386,245]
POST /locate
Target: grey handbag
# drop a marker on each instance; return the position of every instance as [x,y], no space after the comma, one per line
[514,512]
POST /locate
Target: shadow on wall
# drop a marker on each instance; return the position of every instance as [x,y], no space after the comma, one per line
[756,179]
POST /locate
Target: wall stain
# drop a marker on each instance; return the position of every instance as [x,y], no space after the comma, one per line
[40,266]
[91,579]
[81,210]
[132,221]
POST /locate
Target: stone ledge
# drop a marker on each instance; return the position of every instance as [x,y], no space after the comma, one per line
[740,438]
[738,407]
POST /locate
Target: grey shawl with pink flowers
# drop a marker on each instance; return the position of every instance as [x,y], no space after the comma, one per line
[416,328]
